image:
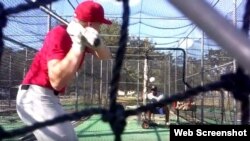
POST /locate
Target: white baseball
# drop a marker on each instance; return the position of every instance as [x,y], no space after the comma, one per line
[151,79]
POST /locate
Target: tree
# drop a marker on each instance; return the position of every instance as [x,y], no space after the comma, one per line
[111,33]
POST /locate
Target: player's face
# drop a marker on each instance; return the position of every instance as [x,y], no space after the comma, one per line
[95,25]
[154,92]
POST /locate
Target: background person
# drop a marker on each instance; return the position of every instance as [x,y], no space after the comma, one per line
[155,96]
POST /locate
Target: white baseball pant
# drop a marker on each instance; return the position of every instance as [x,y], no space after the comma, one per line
[38,104]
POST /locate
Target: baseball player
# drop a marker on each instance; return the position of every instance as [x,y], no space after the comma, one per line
[55,65]
[155,96]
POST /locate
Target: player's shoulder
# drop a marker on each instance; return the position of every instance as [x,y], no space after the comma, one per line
[59,32]
[59,29]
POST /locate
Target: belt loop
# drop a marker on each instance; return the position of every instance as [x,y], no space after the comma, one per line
[56,93]
[25,87]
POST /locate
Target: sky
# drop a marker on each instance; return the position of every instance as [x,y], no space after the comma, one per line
[159,20]
[131,2]
[149,15]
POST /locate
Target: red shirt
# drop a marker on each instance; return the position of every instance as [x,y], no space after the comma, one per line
[56,45]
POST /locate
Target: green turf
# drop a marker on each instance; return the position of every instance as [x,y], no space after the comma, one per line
[94,129]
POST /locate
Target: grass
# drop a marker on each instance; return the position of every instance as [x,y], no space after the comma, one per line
[127,100]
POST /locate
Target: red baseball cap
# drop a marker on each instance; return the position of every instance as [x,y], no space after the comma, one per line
[90,11]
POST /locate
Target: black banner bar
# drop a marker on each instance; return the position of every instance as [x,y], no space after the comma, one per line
[180,132]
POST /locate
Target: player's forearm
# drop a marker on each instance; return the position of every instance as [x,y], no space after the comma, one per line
[62,72]
[152,97]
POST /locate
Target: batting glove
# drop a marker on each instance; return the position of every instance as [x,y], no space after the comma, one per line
[92,37]
[75,29]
